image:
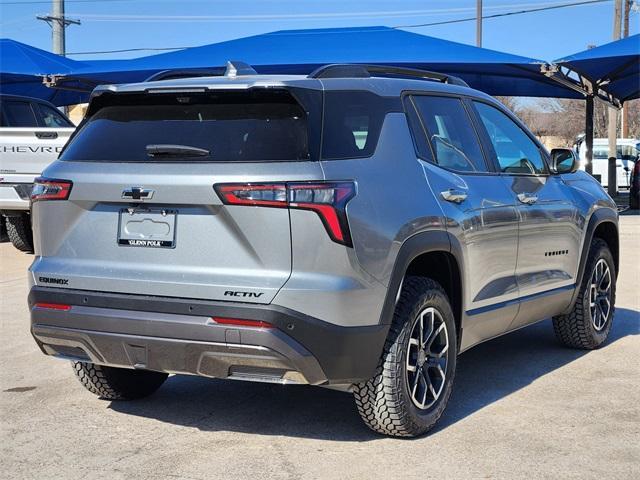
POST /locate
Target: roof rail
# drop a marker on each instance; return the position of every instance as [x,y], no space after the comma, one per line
[354,70]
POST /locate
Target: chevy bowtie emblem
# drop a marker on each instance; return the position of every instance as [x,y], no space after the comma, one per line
[137,193]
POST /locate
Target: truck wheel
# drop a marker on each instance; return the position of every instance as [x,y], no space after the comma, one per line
[112,383]
[589,323]
[3,230]
[19,231]
[414,377]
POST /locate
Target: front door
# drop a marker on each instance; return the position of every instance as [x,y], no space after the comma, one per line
[550,223]
[479,209]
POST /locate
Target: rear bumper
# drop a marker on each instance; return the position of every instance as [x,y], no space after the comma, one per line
[178,336]
[15,196]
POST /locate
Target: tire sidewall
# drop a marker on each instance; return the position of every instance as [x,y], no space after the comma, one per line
[437,299]
[600,252]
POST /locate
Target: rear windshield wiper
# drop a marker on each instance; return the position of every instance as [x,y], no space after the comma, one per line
[161,150]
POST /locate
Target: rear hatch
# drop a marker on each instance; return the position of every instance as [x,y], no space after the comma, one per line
[143,216]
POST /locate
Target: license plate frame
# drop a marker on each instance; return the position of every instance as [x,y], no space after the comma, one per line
[148,219]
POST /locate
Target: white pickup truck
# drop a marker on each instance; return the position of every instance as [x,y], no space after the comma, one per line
[32,134]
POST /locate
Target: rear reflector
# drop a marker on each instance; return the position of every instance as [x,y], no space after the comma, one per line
[53,306]
[50,189]
[327,199]
[240,322]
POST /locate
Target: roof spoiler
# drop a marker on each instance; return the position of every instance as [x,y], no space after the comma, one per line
[348,70]
[233,68]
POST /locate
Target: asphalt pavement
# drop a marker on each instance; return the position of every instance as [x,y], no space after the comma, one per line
[522,407]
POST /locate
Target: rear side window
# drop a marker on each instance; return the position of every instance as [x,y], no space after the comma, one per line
[352,123]
[225,127]
[443,125]
[52,118]
[515,151]
[18,114]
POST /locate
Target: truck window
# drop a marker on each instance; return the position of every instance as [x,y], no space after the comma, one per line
[18,114]
[52,118]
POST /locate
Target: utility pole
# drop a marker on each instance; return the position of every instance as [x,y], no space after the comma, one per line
[58,22]
[613,113]
[625,33]
[478,23]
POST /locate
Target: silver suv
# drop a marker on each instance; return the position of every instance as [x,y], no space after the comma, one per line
[356,228]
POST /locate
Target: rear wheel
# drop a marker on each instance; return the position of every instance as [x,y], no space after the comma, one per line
[589,323]
[414,377]
[118,383]
[19,231]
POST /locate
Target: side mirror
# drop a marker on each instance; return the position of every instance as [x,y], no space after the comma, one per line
[564,160]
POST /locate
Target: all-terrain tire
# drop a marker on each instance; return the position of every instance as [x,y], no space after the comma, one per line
[112,383]
[19,232]
[3,231]
[576,329]
[384,401]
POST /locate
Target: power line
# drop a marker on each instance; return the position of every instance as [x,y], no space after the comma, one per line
[506,14]
[128,50]
[40,2]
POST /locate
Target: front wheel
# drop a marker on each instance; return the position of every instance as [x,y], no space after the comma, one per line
[587,326]
[413,381]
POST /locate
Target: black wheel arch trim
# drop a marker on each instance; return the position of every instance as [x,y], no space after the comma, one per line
[599,217]
[416,245]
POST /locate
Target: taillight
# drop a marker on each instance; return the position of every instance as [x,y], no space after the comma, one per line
[50,189]
[327,199]
[241,322]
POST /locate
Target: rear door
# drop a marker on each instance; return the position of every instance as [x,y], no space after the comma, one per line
[479,209]
[143,216]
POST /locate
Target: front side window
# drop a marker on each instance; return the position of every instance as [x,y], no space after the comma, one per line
[515,151]
[52,118]
[448,129]
[18,114]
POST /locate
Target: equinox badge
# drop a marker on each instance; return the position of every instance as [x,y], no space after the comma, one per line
[137,193]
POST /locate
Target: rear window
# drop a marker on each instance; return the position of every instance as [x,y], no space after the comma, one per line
[226,127]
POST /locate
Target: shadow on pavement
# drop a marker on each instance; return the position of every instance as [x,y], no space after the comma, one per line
[485,374]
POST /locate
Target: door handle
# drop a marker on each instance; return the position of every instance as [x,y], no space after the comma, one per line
[42,135]
[455,196]
[527,198]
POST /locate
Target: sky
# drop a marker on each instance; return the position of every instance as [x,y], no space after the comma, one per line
[127,24]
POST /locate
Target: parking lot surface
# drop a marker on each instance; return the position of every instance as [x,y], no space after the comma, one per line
[522,406]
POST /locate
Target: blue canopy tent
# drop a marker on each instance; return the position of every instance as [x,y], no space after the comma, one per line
[613,67]
[302,51]
[22,68]
[610,71]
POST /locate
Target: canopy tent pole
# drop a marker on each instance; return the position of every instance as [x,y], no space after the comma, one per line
[588,134]
[612,127]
